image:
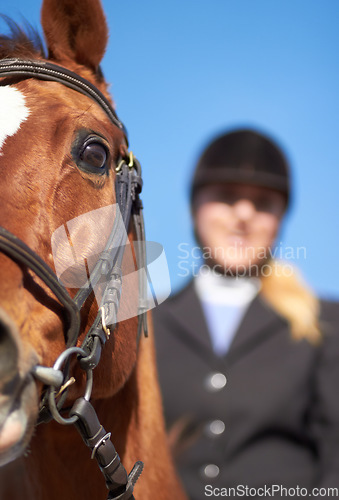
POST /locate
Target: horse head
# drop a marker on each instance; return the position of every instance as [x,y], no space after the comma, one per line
[60,153]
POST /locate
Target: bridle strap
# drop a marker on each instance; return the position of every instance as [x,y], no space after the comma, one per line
[18,251]
[116,242]
[43,70]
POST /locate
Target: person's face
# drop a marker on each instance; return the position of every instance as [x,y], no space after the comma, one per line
[237,224]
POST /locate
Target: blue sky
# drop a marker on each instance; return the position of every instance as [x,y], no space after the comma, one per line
[182,71]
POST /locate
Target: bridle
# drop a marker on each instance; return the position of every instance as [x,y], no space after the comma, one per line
[109,266]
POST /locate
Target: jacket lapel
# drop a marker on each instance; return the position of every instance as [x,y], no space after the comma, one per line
[190,316]
[259,322]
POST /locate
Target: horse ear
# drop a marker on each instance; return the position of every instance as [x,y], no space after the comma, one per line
[76,30]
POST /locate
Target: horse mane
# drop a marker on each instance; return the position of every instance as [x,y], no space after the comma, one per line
[21,41]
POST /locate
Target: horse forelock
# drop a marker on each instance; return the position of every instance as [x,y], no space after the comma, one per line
[21,41]
[26,42]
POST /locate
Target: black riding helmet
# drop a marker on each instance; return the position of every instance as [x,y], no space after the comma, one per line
[246,157]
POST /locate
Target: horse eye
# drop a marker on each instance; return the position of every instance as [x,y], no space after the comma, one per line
[95,155]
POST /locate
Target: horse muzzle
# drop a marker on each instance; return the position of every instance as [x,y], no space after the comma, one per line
[18,393]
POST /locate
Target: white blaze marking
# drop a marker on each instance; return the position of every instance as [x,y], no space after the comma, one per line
[13,111]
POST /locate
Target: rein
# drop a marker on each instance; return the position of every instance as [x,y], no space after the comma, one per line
[128,187]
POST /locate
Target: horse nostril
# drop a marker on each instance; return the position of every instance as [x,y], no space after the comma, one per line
[9,351]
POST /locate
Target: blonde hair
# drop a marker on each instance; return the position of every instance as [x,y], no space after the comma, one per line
[290,297]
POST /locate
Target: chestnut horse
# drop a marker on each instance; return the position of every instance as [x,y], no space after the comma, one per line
[62,151]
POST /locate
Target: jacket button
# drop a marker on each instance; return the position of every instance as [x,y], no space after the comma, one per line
[215,428]
[211,471]
[215,382]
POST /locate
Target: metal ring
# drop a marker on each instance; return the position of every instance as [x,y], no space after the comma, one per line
[52,390]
